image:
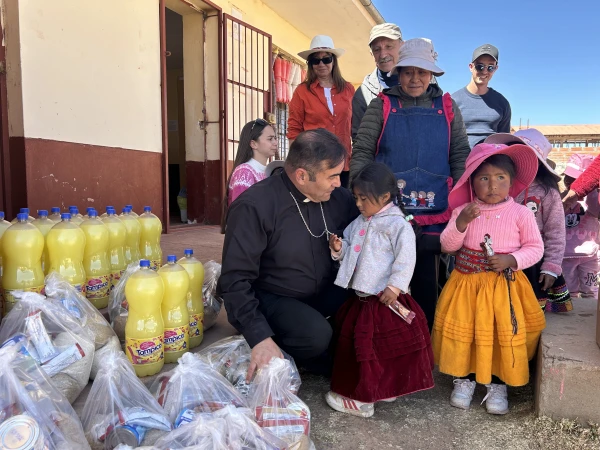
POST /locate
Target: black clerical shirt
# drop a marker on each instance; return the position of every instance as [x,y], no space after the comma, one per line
[268,247]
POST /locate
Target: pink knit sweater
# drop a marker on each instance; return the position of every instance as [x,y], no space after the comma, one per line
[583,228]
[244,176]
[511,226]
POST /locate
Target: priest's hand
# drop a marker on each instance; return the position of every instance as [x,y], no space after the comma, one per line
[261,356]
[335,243]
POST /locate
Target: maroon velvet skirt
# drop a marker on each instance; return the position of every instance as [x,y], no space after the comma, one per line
[377,354]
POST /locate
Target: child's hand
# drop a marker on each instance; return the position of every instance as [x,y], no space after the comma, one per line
[500,262]
[388,297]
[335,243]
[467,215]
[570,200]
[546,281]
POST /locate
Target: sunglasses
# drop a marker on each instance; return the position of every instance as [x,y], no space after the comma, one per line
[480,67]
[316,61]
[262,122]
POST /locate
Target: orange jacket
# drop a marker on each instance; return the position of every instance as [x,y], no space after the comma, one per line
[309,110]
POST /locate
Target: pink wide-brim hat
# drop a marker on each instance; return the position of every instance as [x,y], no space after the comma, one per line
[577,164]
[526,165]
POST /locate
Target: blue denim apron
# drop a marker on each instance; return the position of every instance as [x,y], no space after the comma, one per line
[415,144]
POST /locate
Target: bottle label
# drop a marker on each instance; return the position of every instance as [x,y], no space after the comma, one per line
[97,287]
[10,300]
[144,351]
[115,277]
[175,338]
[155,264]
[196,324]
[79,288]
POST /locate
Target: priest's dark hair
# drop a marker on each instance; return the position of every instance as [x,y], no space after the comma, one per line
[314,151]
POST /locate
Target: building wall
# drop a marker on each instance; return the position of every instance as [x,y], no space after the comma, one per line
[84,102]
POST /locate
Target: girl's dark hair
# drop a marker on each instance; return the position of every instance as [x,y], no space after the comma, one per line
[251,132]
[375,180]
[338,79]
[502,162]
[545,178]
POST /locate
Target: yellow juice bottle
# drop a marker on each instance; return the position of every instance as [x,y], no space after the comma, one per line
[131,211]
[151,229]
[95,260]
[76,218]
[4,224]
[54,214]
[195,304]
[44,224]
[116,245]
[175,314]
[66,247]
[22,248]
[23,211]
[144,329]
[132,242]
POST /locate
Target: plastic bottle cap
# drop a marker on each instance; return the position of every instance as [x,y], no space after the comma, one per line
[111,211]
[129,206]
[22,217]
[55,209]
[89,208]
[188,252]
[144,263]
[1,215]
[125,210]
[93,213]
[109,207]
[73,209]
[25,211]
[65,216]
[43,213]
[147,209]
[171,258]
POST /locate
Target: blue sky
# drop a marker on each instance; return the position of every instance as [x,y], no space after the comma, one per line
[549,51]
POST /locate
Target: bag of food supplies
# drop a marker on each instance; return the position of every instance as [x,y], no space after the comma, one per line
[192,388]
[119,409]
[57,341]
[277,409]
[231,358]
[33,413]
[118,308]
[60,292]
[212,303]
[229,428]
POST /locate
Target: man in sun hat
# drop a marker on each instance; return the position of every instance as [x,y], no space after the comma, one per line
[385,42]
[418,132]
[485,111]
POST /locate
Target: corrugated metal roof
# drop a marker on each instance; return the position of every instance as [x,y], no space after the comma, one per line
[563,130]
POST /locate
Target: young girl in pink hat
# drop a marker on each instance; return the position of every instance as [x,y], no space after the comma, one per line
[488,320]
[580,264]
[543,198]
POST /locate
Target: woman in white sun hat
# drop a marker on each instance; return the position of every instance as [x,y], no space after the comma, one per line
[324,99]
[418,132]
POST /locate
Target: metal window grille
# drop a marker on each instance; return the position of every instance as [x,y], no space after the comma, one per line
[281,117]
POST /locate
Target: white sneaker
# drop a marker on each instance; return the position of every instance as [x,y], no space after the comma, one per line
[389,400]
[496,399]
[349,406]
[463,393]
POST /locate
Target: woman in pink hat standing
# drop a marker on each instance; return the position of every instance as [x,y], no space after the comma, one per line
[324,99]
[488,321]
[580,263]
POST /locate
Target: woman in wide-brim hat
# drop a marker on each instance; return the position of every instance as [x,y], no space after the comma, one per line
[488,321]
[324,98]
[418,132]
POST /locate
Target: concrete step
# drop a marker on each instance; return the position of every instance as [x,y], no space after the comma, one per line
[567,381]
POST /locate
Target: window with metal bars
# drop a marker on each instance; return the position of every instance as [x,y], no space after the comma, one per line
[281,120]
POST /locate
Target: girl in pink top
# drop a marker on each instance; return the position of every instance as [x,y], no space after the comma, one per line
[488,320]
[580,265]
[258,143]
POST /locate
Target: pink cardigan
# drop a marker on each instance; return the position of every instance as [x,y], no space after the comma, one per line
[511,226]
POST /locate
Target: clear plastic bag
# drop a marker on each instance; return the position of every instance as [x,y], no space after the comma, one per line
[64,349]
[231,358]
[59,291]
[229,428]
[118,308]
[277,409]
[212,303]
[192,388]
[27,396]
[119,409]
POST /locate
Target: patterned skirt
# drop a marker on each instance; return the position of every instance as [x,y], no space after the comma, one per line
[378,355]
[557,298]
[475,330]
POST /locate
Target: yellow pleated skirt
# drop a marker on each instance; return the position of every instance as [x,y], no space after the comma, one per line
[473,333]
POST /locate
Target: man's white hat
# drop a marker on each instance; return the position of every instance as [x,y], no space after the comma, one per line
[388,30]
[419,53]
[321,43]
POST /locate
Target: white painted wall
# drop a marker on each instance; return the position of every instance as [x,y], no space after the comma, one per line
[90,72]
